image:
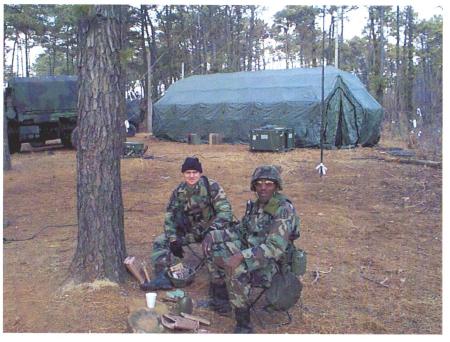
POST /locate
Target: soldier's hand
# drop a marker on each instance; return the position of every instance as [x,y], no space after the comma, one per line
[176,248]
[233,262]
[207,244]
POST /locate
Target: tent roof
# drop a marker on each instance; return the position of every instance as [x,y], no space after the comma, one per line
[264,87]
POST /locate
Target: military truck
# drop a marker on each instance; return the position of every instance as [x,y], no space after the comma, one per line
[38,109]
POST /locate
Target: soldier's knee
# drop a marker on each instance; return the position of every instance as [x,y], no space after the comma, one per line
[160,242]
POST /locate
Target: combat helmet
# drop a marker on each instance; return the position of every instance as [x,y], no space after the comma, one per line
[185,304]
[266,172]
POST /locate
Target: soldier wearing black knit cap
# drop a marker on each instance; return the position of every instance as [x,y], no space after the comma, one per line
[197,206]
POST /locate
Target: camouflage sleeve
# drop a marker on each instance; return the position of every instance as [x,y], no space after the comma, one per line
[170,228]
[230,234]
[222,207]
[276,242]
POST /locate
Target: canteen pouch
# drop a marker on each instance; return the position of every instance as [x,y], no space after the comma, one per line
[298,265]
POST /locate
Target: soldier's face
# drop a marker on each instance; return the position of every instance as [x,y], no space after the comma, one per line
[265,189]
[191,177]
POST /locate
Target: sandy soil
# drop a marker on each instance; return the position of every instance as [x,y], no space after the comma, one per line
[372,230]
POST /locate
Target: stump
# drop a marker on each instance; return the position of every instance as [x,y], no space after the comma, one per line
[215,138]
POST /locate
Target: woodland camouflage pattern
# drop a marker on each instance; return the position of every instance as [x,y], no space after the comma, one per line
[264,237]
[40,109]
[195,203]
[42,95]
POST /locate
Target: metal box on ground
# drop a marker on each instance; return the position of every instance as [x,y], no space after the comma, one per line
[134,149]
[272,138]
[194,139]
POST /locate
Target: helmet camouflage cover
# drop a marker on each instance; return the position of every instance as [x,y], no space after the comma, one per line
[266,172]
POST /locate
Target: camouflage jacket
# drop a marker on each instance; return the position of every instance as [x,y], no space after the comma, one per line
[264,233]
[196,205]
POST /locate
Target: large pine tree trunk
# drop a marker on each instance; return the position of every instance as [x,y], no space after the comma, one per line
[101,242]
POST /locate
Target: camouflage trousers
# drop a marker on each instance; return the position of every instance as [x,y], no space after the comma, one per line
[247,275]
[161,257]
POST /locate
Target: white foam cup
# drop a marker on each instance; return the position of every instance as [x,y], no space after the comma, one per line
[151,299]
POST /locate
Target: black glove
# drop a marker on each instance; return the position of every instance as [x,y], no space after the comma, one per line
[145,286]
[176,248]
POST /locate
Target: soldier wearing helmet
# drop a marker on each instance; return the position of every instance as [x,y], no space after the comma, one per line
[252,252]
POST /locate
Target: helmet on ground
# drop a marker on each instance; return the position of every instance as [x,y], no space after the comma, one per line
[182,282]
[266,172]
[185,305]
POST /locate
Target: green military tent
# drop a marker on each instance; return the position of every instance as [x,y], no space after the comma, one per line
[234,103]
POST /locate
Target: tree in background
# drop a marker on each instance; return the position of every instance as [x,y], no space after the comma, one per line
[428,90]
[377,81]
[24,24]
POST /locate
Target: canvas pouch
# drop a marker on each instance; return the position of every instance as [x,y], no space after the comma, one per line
[298,265]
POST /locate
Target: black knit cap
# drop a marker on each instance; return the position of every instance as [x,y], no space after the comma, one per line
[191,163]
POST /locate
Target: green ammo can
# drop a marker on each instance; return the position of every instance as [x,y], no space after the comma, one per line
[133,149]
[194,139]
[272,138]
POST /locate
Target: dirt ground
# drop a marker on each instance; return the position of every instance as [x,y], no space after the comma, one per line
[372,230]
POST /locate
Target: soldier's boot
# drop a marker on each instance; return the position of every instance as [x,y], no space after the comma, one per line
[220,301]
[243,325]
[159,282]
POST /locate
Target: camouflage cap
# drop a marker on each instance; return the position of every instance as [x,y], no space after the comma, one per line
[266,172]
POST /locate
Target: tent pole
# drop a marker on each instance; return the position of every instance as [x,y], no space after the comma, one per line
[321,167]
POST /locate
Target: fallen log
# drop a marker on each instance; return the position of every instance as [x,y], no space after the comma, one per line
[430,163]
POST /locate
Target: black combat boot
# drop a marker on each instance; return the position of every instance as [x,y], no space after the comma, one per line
[219,302]
[242,316]
[159,282]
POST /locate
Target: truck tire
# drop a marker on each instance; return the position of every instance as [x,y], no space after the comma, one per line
[74,138]
[37,143]
[66,140]
[14,143]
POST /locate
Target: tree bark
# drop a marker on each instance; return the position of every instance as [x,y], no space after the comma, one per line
[153,51]
[250,41]
[397,63]
[409,64]
[380,71]
[12,58]
[143,23]
[149,96]
[27,69]
[101,112]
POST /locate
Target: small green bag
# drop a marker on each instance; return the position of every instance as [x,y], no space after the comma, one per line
[298,266]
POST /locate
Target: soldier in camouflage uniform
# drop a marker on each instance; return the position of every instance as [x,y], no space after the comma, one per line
[254,250]
[198,205]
